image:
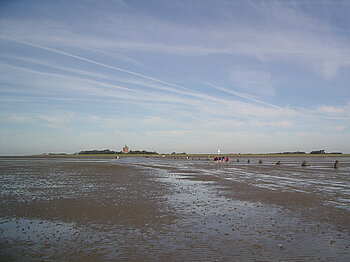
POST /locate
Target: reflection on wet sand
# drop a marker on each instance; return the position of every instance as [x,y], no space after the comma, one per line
[173,210]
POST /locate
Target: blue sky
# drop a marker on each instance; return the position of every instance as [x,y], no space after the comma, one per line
[247,76]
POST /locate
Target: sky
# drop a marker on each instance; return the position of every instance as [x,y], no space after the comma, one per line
[174,76]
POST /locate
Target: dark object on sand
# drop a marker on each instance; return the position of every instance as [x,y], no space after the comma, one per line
[237,160]
[248,161]
[336,164]
[260,161]
[278,163]
[305,163]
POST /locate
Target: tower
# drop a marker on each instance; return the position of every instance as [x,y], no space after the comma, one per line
[125,149]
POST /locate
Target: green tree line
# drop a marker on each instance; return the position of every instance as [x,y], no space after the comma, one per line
[109,152]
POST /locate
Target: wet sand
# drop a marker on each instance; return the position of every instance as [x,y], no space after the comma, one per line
[137,209]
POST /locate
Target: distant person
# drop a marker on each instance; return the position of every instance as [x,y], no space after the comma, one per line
[226,159]
[219,160]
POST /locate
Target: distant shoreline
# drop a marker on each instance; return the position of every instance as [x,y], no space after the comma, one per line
[113,156]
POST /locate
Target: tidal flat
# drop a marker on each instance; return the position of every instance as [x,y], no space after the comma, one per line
[155,209]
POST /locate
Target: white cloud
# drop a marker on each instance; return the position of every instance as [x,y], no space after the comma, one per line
[57,121]
[69,63]
[283,33]
[274,124]
[164,92]
[221,124]
[252,81]
[93,119]
[19,119]
[335,110]
[166,134]
[340,127]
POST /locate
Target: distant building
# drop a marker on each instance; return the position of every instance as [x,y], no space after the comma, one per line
[125,149]
[318,152]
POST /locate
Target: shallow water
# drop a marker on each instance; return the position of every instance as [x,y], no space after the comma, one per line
[320,177]
[137,209]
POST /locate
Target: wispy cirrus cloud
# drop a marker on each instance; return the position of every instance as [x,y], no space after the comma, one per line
[335,110]
[284,34]
[57,121]
[54,121]
[252,81]
[211,71]
[173,93]
[18,119]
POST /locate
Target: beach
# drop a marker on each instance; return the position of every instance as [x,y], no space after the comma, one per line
[167,209]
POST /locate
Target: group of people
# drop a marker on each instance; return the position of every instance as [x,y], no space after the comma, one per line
[220,159]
